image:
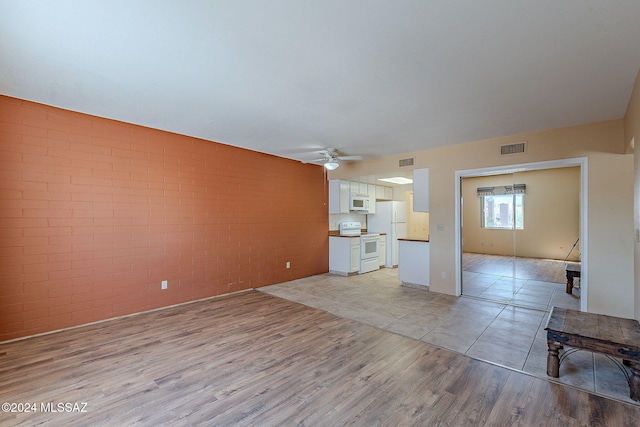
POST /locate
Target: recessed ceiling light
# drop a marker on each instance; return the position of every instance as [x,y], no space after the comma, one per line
[397,180]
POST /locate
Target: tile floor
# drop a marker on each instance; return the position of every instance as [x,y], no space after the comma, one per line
[467,324]
[523,292]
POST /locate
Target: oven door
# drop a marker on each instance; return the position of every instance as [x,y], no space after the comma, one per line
[369,247]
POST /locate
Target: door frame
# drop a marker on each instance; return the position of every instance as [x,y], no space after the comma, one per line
[582,162]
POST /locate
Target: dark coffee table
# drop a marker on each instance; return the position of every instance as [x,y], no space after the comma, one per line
[612,336]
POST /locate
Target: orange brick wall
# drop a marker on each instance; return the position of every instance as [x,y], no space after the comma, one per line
[95,213]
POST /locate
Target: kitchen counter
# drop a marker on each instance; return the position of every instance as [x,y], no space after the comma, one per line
[415,239]
[336,233]
[413,262]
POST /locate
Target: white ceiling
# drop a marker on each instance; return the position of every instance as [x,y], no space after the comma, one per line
[287,77]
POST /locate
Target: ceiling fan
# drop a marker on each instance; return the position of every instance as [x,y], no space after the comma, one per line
[330,157]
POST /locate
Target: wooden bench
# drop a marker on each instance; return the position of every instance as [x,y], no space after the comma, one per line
[608,335]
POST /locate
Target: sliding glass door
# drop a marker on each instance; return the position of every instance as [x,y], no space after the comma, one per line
[492,214]
[519,236]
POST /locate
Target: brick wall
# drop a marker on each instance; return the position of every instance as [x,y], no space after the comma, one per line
[95,213]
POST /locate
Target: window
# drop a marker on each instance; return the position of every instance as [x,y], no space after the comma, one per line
[502,207]
[499,211]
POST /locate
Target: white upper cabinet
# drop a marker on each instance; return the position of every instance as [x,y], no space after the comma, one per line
[388,193]
[359,187]
[384,193]
[371,191]
[339,191]
[421,190]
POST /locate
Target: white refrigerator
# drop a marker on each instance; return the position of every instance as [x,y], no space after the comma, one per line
[390,218]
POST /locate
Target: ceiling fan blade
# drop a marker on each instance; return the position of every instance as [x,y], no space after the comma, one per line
[331,155]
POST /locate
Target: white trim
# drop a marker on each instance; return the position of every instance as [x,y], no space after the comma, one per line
[551,164]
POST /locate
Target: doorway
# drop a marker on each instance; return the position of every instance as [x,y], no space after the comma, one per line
[501,248]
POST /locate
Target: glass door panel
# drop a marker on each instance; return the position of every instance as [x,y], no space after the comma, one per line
[490,215]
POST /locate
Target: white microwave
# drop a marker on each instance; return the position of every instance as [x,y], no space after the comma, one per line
[359,203]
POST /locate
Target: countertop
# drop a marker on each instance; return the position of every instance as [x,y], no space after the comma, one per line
[415,239]
[336,233]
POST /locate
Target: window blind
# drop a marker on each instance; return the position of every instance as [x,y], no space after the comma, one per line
[502,189]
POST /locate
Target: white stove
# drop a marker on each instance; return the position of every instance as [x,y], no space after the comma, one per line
[369,260]
[369,244]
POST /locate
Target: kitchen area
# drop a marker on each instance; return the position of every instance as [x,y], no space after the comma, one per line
[380,222]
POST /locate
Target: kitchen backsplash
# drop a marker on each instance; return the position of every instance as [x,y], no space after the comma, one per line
[336,219]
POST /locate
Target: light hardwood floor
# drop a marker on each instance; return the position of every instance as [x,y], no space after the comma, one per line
[499,332]
[255,359]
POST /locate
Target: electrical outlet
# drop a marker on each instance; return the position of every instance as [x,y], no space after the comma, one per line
[164,284]
[288,264]
[443,275]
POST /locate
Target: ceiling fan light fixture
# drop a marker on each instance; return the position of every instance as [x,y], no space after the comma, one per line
[331,165]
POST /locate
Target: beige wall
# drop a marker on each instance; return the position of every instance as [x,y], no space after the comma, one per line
[417,222]
[610,201]
[632,136]
[551,215]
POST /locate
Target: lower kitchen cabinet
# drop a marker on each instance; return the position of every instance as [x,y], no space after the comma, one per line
[413,262]
[344,255]
[382,250]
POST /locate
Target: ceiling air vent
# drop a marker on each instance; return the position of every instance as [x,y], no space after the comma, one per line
[517,148]
[405,162]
